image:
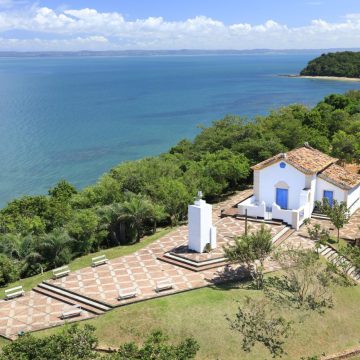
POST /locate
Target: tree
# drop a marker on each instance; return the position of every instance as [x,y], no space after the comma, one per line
[156,348]
[83,228]
[55,248]
[8,271]
[249,248]
[225,169]
[174,197]
[136,209]
[257,322]
[317,233]
[63,190]
[305,283]
[338,213]
[72,343]
[26,215]
[10,245]
[345,147]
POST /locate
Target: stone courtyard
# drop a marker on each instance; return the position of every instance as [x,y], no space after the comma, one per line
[141,270]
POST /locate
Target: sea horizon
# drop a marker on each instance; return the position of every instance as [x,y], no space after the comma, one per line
[165,52]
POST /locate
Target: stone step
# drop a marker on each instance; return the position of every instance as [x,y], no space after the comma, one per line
[188,266]
[351,270]
[339,261]
[67,300]
[285,235]
[319,216]
[327,251]
[322,248]
[81,299]
[357,276]
[260,220]
[333,256]
[330,253]
[182,258]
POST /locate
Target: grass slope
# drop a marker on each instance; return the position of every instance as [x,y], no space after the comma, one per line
[84,261]
[201,314]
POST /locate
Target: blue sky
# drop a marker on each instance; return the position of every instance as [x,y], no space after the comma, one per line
[291,12]
[173,24]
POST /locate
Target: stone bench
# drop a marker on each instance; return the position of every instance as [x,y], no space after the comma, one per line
[163,284]
[127,293]
[14,292]
[99,260]
[74,310]
[60,272]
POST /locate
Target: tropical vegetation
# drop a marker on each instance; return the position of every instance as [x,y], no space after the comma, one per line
[80,343]
[38,233]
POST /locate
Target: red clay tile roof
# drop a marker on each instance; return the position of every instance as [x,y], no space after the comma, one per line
[340,177]
[306,159]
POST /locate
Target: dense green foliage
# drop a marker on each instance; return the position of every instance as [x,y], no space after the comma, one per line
[38,233]
[341,64]
[73,343]
[156,347]
[251,247]
[79,343]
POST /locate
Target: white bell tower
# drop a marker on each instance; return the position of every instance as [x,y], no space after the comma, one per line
[201,230]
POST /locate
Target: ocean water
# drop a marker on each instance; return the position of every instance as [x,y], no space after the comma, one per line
[75,118]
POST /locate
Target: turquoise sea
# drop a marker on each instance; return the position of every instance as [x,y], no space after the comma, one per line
[76,117]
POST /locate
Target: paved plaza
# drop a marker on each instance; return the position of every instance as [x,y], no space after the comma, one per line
[141,270]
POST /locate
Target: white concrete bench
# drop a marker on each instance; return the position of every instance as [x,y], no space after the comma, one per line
[99,260]
[61,271]
[127,293]
[74,310]
[163,284]
[14,292]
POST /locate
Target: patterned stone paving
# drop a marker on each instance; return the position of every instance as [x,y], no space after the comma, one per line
[227,229]
[31,312]
[141,269]
[350,231]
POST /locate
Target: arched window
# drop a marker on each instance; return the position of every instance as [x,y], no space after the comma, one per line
[282,185]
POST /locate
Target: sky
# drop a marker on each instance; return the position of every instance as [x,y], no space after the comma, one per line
[27,25]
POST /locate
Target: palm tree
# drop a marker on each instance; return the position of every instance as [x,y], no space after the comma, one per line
[158,214]
[137,209]
[32,264]
[55,248]
[10,245]
[109,221]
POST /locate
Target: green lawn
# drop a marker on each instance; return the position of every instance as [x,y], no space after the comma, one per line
[85,261]
[201,314]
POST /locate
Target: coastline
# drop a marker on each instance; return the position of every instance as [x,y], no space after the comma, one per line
[336,78]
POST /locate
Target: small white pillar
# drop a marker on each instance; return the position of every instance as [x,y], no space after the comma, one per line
[201,231]
[213,237]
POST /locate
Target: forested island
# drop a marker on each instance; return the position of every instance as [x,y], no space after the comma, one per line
[339,64]
[39,233]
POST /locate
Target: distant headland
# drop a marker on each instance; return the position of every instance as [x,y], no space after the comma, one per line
[343,66]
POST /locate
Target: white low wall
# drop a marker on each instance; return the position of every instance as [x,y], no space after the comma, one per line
[281,214]
[355,206]
[294,218]
[253,209]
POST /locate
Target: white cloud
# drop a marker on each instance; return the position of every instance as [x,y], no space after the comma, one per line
[91,29]
[90,43]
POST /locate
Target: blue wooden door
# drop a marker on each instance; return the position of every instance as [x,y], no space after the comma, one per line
[282,198]
[329,195]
